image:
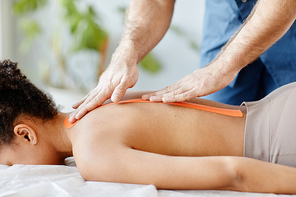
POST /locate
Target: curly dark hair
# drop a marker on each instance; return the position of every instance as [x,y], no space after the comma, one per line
[18,96]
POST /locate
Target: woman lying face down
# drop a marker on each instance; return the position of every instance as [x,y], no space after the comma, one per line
[172,147]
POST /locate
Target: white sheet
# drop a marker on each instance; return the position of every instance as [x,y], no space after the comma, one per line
[64,181]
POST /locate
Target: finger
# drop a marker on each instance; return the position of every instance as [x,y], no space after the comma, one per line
[145,97]
[72,116]
[91,97]
[164,90]
[148,95]
[76,105]
[120,90]
[97,101]
[157,95]
[184,96]
[88,107]
[172,93]
[156,98]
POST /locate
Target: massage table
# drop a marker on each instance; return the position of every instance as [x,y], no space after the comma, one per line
[65,181]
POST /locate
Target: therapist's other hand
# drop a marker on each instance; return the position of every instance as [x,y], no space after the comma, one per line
[201,82]
[121,74]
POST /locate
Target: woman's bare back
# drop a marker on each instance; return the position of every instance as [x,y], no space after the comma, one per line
[166,129]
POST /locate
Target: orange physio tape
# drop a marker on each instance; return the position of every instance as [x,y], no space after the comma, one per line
[227,112]
[68,124]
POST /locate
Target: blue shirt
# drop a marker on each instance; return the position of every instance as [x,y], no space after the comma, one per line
[222,20]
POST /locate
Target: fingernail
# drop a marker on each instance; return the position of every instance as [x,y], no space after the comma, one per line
[71,119]
[165,99]
[115,98]
[145,97]
[152,98]
[76,117]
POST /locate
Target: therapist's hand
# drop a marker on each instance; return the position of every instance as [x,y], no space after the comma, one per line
[121,74]
[201,82]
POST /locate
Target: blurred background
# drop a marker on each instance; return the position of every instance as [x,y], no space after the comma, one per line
[64,45]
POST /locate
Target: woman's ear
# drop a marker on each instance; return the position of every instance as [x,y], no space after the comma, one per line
[26,133]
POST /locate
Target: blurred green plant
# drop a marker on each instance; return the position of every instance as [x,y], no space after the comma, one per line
[178,31]
[29,27]
[84,26]
[150,63]
[21,7]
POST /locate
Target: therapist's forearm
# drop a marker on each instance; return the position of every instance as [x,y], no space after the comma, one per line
[147,21]
[267,23]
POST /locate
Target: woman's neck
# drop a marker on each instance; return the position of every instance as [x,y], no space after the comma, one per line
[60,137]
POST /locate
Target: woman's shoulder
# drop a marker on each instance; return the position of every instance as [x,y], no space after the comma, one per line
[105,122]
